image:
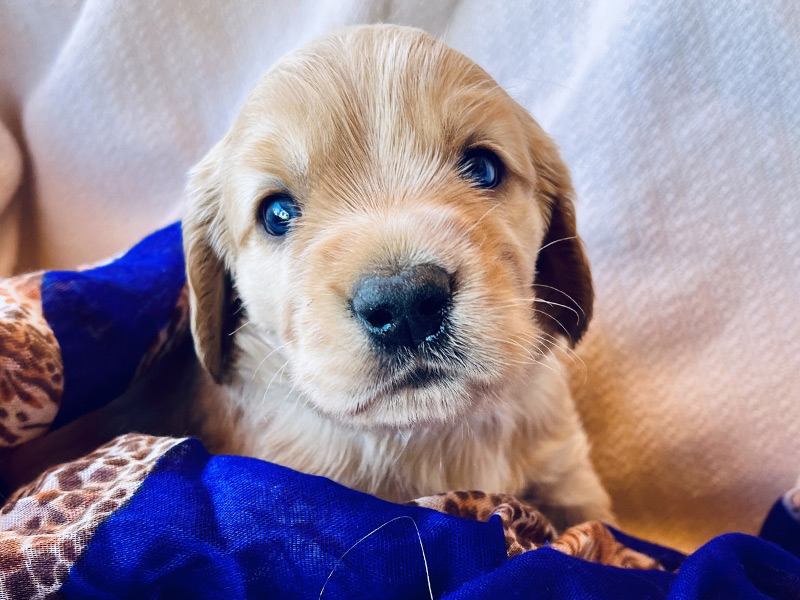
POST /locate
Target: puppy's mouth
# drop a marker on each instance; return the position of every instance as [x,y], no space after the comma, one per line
[436,361]
[411,379]
[421,377]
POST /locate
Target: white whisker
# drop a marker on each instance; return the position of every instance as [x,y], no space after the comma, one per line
[238,329]
[573,356]
[556,320]
[564,239]
[478,222]
[269,385]
[286,397]
[532,358]
[577,316]
[265,359]
[550,287]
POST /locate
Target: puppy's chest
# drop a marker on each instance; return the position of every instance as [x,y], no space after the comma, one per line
[394,466]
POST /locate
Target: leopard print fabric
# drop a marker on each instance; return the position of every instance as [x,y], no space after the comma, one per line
[46,524]
[31,369]
[594,542]
[527,529]
[31,366]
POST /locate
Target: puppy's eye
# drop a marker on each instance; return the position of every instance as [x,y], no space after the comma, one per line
[482,166]
[277,212]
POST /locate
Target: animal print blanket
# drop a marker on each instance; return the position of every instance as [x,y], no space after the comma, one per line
[156,517]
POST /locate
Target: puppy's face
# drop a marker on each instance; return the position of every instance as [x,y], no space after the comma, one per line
[387,211]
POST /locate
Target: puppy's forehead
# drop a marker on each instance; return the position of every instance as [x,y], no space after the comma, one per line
[388,101]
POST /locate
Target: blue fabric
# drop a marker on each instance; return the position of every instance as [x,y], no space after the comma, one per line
[105,318]
[782,529]
[736,566]
[231,527]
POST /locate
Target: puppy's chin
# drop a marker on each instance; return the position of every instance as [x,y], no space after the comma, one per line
[418,400]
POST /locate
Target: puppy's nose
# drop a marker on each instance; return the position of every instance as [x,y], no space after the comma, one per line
[405,309]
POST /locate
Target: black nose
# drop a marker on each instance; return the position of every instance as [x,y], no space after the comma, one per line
[405,309]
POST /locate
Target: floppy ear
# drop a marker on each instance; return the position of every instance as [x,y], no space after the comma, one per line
[204,240]
[563,279]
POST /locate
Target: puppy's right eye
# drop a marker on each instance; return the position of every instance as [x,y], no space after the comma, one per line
[482,166]
[277,212]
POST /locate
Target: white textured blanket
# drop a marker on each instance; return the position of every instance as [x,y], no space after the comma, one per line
[680,120]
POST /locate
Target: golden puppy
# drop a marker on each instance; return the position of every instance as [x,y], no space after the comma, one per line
[382,258]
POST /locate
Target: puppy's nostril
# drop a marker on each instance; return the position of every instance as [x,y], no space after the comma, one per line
[431,307]
[380,319]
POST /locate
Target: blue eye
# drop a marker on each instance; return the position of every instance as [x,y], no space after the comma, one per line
[277,212]
[482,166]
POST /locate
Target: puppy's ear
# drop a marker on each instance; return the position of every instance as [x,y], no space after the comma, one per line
[204,240]
[563,279]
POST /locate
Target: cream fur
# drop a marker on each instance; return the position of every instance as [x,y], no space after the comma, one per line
[531,446]
[365,129]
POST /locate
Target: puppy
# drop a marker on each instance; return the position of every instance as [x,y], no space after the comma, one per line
[382,262]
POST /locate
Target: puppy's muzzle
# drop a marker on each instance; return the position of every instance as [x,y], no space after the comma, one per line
[403,310]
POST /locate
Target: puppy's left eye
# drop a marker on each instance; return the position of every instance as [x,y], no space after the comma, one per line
[277,212]
[482,166]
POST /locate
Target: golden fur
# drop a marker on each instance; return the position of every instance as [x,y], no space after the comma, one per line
[365,128]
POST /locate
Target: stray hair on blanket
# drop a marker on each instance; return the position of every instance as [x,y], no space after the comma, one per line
[373,532]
